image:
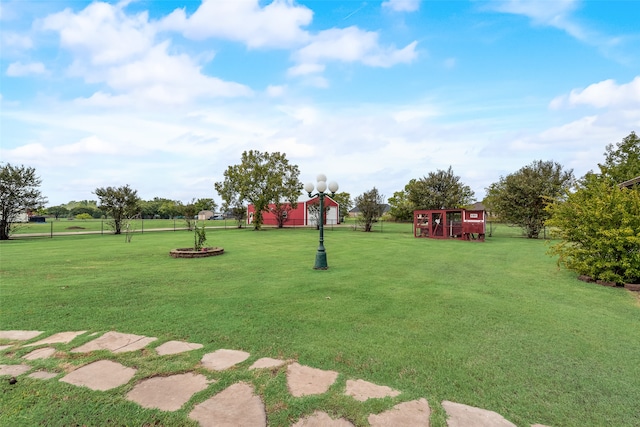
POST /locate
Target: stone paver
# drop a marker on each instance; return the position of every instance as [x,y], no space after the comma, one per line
[236,406]
[115,342]
[303,380]
[100,375]
[41,353]
[43,375]
[14,370]
[414,413]
[175,347]
[167,393]
[60,337]
[460,415]
[322,419]
[223,359]
[362,390]
[267,362]
[19,335]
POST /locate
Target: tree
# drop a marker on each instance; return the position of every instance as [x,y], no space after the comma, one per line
[599,228]
[400,207]
[521,197]
[57,211]
[189,213]
[344,200]
[314,212]
[18,193]
[438,190]
[205,205]
[260,179]
[170,208]
[371,205]
[281,212]
[623,162]
[121,204]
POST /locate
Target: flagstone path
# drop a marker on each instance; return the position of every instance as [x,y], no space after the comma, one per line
[236,405]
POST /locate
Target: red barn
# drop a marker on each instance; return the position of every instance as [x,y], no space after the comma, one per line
[449,224]
[303,214]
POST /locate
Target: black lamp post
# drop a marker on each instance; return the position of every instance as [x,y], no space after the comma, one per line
[321,186]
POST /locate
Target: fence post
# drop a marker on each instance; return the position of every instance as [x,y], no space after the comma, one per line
[52,229]
[142,231]
[102,227]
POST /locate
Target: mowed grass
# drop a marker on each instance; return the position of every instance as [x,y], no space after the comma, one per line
[494,325]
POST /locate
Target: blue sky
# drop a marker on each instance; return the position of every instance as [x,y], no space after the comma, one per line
[165,95]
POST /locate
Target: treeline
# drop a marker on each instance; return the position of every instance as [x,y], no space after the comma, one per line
[158,207]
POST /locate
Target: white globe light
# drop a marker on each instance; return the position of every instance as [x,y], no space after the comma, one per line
[321,177]
[322,186]
[333,186]
[308,187]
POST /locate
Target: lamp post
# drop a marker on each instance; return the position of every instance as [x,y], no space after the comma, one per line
[321,186]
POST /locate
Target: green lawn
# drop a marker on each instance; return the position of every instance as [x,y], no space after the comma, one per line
[494,325]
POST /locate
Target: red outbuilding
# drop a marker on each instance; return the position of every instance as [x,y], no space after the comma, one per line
[450,224]
[302,215]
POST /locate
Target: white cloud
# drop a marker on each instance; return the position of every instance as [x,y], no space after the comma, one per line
[15,40]
[350,45]
[541,12]
[275,91]
[18,69]
[304,69]
[119,50]
[277,24]
[402,5]
[606,93]
[103,32]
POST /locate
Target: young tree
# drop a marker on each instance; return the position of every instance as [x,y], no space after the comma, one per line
[371,205]
[521,197]
[18,193]
[121,203]
[260,179]
[189,213]
[314,212]
[438,190]
[281,212]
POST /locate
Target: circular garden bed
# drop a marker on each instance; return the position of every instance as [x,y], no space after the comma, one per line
[192,253]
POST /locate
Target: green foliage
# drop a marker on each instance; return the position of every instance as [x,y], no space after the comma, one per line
[189,212]
[401,208]
[622,163]
[260,178]
[521,197]
[438,190]
[370,204]
[83,216]
[18,193]
[205,204]
[344,200]
[120,203]
[599,225]
[200,236]
[57,211]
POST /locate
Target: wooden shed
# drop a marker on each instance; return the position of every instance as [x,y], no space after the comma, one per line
[450,224]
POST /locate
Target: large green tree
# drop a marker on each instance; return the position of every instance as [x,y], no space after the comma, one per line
[120,204]
[521,197]
[400,207]
[439,190]
[19,192]
[622,161]
[57,211]
[261,178]
[599,222]
[371,205]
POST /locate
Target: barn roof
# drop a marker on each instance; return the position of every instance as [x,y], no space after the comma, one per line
[630,183]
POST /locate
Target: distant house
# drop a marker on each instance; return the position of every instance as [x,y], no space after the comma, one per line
[303,214]
[205,215]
